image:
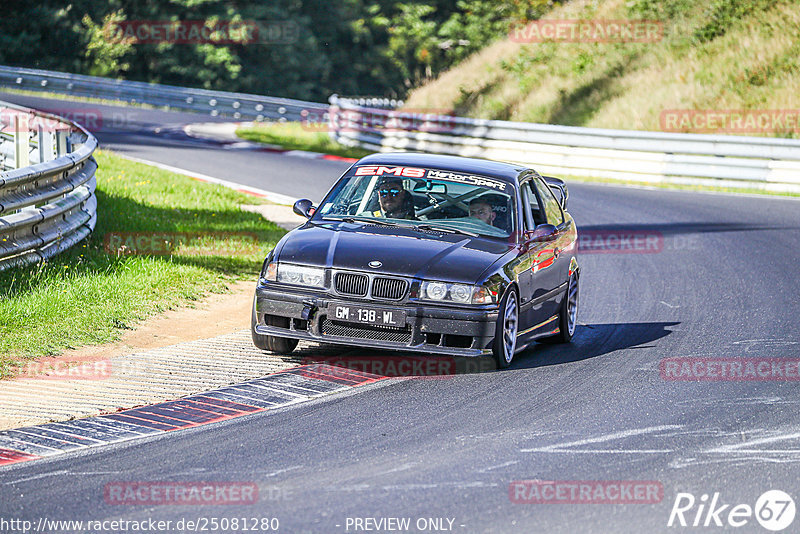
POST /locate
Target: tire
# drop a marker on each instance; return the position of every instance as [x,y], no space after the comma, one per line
[505,337]
[280,345]
[568,313]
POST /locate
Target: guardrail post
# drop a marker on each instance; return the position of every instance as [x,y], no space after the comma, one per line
[46,145]
[62,143]
[22,143]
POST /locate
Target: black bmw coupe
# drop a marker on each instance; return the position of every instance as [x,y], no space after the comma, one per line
[426,253]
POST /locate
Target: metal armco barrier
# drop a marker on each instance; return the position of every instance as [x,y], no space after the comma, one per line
[719,160]
[238,106]
[47,185]
[697,159]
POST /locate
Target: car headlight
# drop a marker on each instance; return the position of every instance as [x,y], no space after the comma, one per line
[461,293]
[457,293]
[483,295]
[270,272]
[434,290]
[300,275]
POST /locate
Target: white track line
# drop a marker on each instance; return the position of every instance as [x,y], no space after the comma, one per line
[276,198]
[560,447]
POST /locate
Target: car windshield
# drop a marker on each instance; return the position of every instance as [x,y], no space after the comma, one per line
[424,198]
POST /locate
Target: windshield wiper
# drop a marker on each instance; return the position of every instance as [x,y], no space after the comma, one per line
[369,220]
[383,222]
[446,229]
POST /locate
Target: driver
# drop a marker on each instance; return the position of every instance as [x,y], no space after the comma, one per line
[395,201]
[480,208]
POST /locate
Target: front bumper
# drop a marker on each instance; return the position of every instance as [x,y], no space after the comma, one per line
[429,328]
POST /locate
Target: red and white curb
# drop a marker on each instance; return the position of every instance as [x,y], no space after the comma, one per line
[293,386]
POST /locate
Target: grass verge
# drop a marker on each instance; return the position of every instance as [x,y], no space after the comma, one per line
[88,295]
[711,56]
[295,136]
[74,98]
[678,187]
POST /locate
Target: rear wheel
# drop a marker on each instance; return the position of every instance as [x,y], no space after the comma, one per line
[568,313]
[505,339]
[280,345]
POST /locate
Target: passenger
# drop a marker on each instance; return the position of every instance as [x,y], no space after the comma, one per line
[480,208]
[395,201]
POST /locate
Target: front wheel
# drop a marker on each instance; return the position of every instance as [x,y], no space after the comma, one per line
[568,313]
[505,338]
[280,345]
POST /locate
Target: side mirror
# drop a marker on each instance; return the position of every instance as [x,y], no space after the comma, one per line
[559,188]
[304,208]
[542,233]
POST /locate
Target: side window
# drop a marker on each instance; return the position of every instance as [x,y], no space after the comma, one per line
[551,206]
[527,194]
[532,201]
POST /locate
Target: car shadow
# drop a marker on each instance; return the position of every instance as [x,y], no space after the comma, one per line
[668,229]
[592,340]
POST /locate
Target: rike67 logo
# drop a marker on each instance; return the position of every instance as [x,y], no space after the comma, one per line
[774,510]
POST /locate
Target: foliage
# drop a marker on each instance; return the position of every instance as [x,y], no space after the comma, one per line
[104,55]
[722,14]
[708,56]
[351,47]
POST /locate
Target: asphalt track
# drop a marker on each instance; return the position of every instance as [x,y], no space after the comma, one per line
[721,284]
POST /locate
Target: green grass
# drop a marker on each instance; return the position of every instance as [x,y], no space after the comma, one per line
[296,136]
[75,98]
[715,55]
[88,296]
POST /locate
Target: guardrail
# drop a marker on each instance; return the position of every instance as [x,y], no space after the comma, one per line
[370,101]
[719,160]
[238,106]
[47,185]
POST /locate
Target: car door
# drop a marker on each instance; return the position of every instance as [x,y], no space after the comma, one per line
[540,280]
[555,216]
[556,256]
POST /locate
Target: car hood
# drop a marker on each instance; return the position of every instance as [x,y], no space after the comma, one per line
[401,251]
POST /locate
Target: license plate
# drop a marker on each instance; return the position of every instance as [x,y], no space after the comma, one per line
[362,315]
